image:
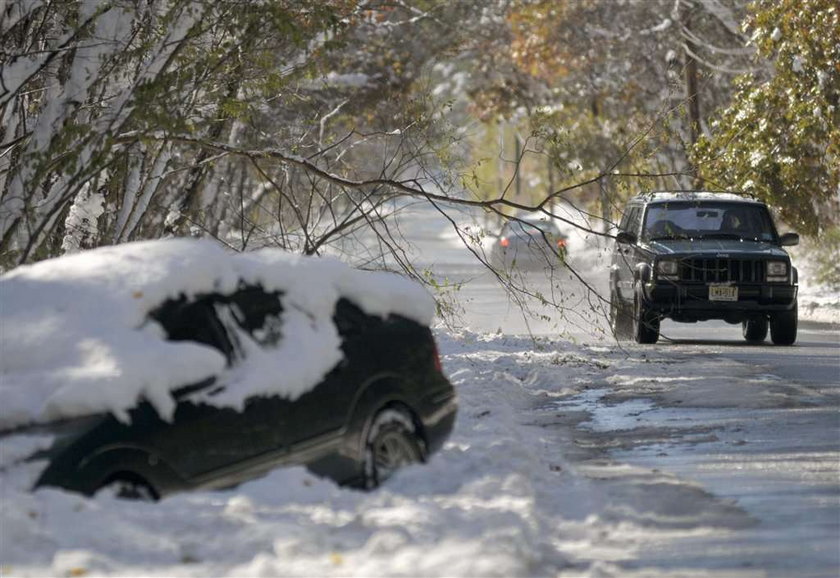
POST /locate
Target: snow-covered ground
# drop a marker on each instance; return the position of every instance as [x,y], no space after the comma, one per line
[525,487]
[816,302]
[570,457]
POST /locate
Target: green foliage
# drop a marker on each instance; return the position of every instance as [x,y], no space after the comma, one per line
[780,136]
[175,68]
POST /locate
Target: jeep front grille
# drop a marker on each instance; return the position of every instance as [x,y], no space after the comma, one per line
[722,270]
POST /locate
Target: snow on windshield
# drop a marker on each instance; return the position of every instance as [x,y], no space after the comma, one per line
[76,339]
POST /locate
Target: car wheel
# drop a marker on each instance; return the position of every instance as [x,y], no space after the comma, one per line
[783,326]
[391,443]
[755,330]
[645,323]
[130,487]
[620,321]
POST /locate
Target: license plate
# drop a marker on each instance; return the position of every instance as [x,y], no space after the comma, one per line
[723,293]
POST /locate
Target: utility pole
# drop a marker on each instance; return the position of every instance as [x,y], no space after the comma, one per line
[517,175]
[692,97]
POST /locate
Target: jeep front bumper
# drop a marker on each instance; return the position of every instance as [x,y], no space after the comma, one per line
[690,302]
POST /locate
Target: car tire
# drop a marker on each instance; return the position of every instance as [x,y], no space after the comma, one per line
[755,330]
[620,321]
[645,323]
[127,486]
[391,442]
[783,326]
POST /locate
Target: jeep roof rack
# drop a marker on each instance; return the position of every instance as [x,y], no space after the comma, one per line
[651,194]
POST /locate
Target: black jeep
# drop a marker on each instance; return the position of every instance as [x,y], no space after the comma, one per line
[695,256]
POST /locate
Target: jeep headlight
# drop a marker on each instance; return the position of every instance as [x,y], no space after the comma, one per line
[777,270]
[667,269]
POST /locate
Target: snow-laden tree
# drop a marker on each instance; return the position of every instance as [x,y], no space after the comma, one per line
[73,86]
[124,120]
[779,138]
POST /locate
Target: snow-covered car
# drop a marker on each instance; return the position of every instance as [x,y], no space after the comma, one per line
[163,366]
[529,242]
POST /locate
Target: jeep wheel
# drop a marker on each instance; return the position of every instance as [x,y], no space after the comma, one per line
[645,324]
[755,330]
[783,326]
[621,323]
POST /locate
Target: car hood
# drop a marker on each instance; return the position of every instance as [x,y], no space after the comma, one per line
[716,247]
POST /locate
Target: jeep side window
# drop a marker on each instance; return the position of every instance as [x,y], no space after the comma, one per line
[625,220]
[634,218]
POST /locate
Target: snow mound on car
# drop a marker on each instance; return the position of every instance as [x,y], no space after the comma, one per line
[75,337]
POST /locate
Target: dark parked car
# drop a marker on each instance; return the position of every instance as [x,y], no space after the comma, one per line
[529,242]
[695,256]
[386,403]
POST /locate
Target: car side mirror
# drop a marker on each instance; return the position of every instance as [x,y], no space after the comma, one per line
[625,238]
[789,240]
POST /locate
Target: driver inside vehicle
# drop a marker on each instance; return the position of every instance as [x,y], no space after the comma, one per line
[733,222]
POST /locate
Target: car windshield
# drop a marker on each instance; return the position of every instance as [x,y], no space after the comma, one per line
[708,220]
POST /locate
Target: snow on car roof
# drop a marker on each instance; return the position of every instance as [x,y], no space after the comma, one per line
[75,337]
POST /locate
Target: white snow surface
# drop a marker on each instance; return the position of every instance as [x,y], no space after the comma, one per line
[817,302]
[500,499]
[75,336]
[488,504]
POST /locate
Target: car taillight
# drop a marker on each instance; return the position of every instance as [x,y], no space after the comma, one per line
[504,242]
[436,356]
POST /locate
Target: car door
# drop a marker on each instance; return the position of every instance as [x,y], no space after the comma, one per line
[256,314]
[205,441]
[321,413]
[625,254]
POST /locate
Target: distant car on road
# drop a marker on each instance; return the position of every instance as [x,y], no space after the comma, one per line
[165,366]
[695,256]
[529,242]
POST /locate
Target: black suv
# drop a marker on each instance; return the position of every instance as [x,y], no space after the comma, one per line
[384,404]
[695,256]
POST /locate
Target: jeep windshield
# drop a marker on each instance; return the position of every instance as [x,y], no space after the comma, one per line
[708,220]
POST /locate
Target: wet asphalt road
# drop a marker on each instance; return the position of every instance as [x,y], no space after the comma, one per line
[769,460]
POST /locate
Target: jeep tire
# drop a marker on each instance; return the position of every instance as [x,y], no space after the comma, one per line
[645,323]
[783,326]
[755,330]
[621,323]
